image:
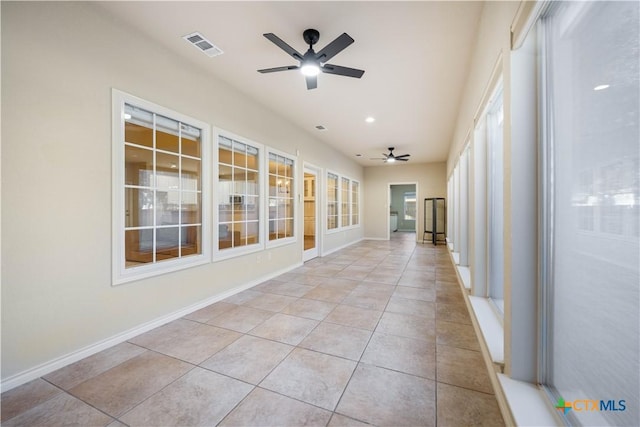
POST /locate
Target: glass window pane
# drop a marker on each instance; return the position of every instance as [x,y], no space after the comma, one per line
[225,156]
[239,156]
[273,235]
[167,243]
[167,167]
[495,253]
[239,234]
[168,141]
[191,212]
[273,164]
[190,147]
[190,240]
[168,207]
[252,233]
[289,227]
[252,207]
[138,247]
[288,169]
[252,183]
[190,174]
[252,158]
[138,166]
[136,134]
[138,207]
[225,236]
[594,94]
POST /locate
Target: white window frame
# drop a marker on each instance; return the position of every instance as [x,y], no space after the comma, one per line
[294,189]
[121,274]
[227,253]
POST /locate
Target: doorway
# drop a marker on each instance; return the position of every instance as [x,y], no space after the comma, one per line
[403,208]
[311,204]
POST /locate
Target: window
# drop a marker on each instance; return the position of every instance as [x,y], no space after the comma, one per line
[159,212]
[344,203]
[591,212]
[332,201]
[464,207]
[409,206]
[355,203]
[281,191]
[495,205]
[238,193]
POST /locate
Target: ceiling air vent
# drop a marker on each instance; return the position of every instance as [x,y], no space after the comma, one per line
[199,41]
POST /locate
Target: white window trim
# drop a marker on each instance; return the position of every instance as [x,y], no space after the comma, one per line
[227,253]
[294,178]
[120,274]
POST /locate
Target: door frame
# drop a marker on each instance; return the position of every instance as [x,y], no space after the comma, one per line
[415,183]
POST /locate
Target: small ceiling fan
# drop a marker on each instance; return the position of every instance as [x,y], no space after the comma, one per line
[390,158]
[312,63]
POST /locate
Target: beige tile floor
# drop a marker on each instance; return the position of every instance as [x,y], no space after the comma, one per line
[376,334]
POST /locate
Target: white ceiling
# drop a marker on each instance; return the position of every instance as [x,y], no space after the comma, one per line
[415,56]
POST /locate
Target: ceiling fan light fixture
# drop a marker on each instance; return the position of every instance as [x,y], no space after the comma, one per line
[310,69]
[390,160]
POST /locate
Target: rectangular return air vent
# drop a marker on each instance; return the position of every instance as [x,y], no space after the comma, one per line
[199,41]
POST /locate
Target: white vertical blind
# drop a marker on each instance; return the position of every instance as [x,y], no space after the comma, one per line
[593,181]
[496,200]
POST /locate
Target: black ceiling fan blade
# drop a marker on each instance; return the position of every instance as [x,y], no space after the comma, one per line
[403,155]
[402,160]
[342,71]
[284,46]
[312,82]
[334,48]
[273,70]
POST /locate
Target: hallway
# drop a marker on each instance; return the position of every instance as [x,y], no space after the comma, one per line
[375,333]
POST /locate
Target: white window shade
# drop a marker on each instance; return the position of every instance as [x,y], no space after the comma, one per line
[592,181]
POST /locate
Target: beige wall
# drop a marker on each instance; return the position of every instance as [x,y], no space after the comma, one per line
[494,38]
[431,180]
[60,62]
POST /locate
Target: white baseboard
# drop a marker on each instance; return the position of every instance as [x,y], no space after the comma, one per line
[375,238]
[47,367]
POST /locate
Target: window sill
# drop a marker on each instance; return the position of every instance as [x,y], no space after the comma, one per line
[527,403]
[465,276]
[490,326]
[456,257]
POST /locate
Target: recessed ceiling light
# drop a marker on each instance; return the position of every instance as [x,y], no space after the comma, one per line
[600,87]
[320,127]
[358,155]
[369,119]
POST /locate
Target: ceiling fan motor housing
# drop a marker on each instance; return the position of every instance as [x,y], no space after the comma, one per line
[311,36]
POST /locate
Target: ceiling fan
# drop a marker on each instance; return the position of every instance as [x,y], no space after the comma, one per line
[312,63]
[390,158]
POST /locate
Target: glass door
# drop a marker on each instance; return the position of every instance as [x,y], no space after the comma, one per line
[310,214]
